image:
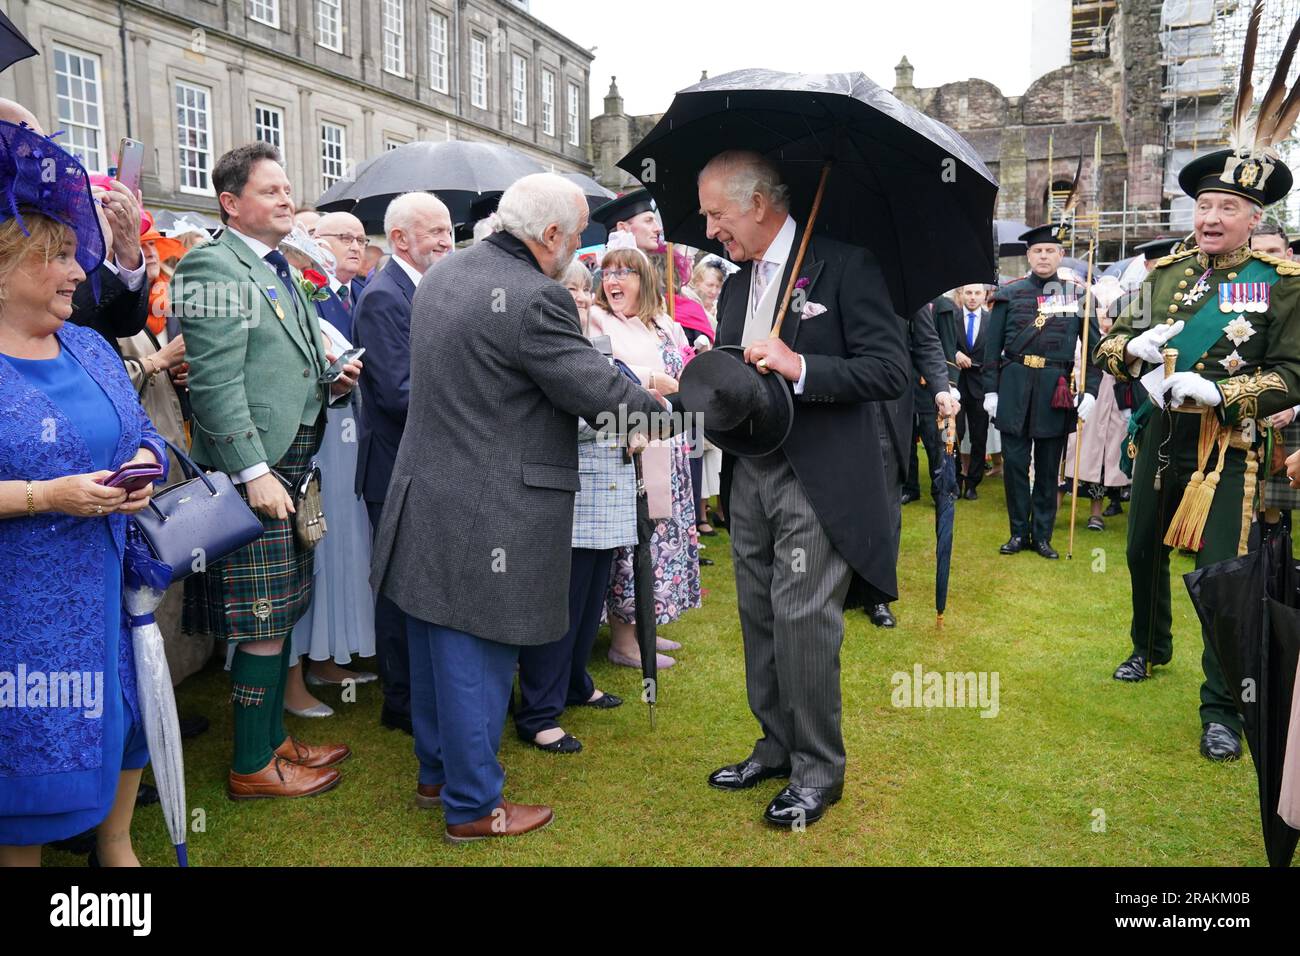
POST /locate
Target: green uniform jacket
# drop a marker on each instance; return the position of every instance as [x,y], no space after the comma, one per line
[1258,376]
[255,351]
[1025,392]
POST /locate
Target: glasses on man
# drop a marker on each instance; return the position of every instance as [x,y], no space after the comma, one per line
[345,239]
[622,273]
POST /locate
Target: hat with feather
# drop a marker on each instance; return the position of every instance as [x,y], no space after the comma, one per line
[1250,166]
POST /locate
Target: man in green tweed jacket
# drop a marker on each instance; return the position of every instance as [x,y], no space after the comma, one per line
[256,357]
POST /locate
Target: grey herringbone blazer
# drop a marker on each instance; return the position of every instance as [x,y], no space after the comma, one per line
[476,527]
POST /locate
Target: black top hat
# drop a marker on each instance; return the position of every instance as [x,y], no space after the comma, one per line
[743,411]
[1057,232]
[1156,248]
[622,208]
[1256,176]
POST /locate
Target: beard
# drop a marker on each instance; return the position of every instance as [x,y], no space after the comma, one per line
[564,258]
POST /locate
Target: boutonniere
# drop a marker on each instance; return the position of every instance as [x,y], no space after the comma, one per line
[314,285]
[802,283]
[1239,330]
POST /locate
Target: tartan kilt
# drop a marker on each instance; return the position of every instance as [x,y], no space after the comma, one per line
[259,592]
[1278,492]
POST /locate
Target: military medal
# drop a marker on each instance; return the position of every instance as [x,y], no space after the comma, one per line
[1198,289]
[1243,297]
[1239,330]
[275,301]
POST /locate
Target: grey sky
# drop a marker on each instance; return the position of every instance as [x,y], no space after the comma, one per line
[656,47]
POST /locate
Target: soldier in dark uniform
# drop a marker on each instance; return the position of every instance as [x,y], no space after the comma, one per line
[1033,333]
[1233,317]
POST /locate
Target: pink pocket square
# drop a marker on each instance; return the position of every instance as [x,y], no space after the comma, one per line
[811,309]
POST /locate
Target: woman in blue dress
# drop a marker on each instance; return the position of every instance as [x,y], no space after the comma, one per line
[71,745]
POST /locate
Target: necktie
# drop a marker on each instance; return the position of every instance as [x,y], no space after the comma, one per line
[345,298]
[281,266]
[970,330]
[762,275]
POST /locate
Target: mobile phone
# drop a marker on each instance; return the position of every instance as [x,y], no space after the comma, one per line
[332,374]
[130,163]
[134,475]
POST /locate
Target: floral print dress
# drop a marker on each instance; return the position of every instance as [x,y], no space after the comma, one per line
[675,546]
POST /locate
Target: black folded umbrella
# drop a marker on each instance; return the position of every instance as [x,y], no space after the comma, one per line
[13,45]
[898,180]
[1248,608]
[945,501]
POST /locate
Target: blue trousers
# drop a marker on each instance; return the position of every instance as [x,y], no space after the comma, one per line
[459,688]
[390,641]
[553,675]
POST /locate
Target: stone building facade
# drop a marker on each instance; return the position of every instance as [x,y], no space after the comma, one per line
[331,82]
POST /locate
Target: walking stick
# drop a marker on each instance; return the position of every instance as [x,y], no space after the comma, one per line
[1083,390]
[803,247]
[669,272]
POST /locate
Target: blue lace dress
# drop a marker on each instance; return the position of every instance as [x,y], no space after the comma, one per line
[96,422]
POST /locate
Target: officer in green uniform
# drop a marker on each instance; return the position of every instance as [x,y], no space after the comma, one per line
[1233,319]
[1033,334]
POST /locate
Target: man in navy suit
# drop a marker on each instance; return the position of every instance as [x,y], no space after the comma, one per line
[972,320]
[346,237]
[419,232]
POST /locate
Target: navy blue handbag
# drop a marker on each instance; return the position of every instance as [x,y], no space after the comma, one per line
[197,522]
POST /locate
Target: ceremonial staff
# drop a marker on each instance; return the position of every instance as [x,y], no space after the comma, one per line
[1082,370]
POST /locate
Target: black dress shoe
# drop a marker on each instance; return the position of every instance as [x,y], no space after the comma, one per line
[1220,743]
[146,795]
[1015,544]
[1045,550]
[796,807]
[908,497]
[706,562]
[1113,509]
[881,616]
[603,702]
[970,495]
[1132,670]
[744,775]
[568,744]
[396,721]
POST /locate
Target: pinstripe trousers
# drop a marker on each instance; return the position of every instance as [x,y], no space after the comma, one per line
[791,584]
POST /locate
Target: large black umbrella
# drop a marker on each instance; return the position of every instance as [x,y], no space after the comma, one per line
[1248,610]
[597,195]
[899,182]
[945,501]
[13,45]
[459,173]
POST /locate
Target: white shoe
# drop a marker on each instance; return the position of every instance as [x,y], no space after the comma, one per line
[320,710]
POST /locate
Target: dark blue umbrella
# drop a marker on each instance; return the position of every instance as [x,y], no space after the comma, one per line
[945,500]
[13,45]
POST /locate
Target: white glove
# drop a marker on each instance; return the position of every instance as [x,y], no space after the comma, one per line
[1086,402]
[1147,346]
[991,404]
[1182,386]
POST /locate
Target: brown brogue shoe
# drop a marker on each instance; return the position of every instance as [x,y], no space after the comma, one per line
[508,819]
[307,755]
[280,778]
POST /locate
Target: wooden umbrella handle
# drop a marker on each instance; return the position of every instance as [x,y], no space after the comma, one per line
[669,270]
[803,247]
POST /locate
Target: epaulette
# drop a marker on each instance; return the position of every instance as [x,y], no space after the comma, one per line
[1284,267]
[1175,257]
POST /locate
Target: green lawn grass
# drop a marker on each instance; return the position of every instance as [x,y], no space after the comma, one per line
[1068,750]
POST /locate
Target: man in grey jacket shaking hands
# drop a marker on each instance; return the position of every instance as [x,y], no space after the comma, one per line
[473,544]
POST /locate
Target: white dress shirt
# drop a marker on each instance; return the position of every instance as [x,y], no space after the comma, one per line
[975,334]
[414,274]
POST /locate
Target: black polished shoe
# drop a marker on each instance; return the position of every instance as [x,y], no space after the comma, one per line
[1045,550]
[1113,509]
[970,495]
[603,702]
[1220,743]
[744,775]
[1132,670]
[908,498]
[706,562]
[395,721]
[1015,544]
[795,807]
[568,744]
[881,616]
